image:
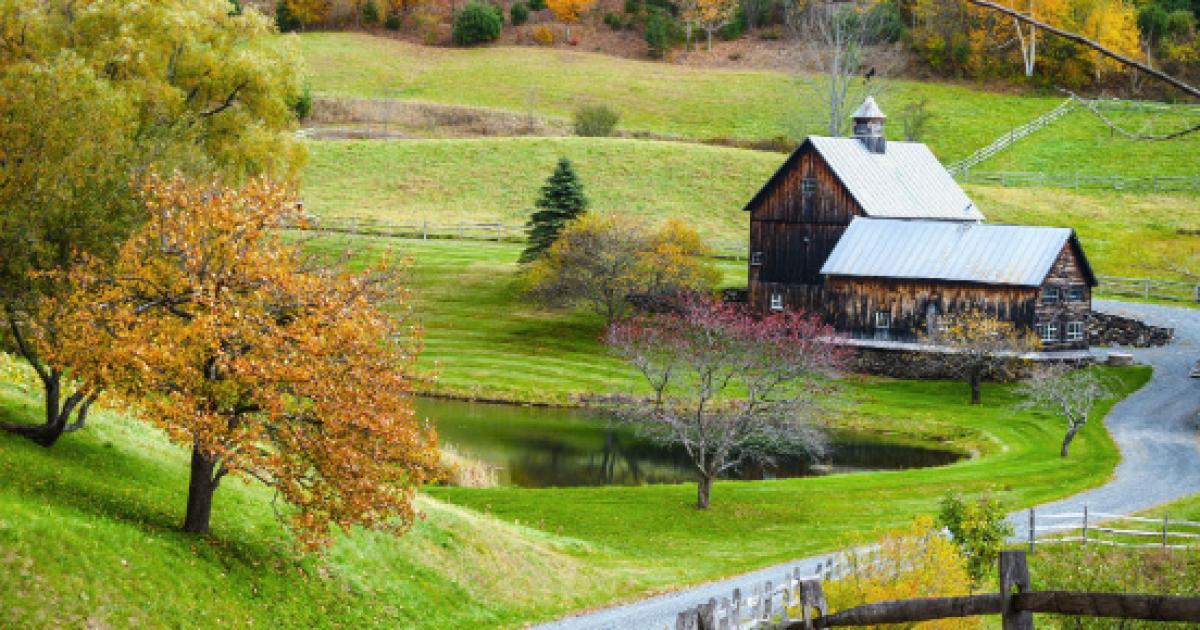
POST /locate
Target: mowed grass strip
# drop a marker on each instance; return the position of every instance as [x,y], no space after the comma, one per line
[704,103]
[498,180]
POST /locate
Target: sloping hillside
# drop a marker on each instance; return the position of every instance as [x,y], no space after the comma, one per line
[704,103]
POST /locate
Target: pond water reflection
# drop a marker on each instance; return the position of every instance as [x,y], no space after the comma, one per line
[537,447]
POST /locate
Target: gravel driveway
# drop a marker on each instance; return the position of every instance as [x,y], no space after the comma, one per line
[1156,429]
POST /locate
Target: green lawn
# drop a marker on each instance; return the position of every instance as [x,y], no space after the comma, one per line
[88,538]
[701,103]
[87,529]
[498,179]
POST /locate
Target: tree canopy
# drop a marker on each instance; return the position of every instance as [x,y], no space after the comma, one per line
[261,362]
[92,95]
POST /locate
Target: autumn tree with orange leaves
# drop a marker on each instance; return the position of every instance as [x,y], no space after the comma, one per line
[264,364]
[713,14]
[568,11]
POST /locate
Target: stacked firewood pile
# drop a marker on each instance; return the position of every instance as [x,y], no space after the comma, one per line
[1105,329]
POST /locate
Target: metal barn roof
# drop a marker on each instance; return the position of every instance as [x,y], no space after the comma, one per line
[905,181]
[938,250]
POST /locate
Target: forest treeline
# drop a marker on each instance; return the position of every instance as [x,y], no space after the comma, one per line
[948,38]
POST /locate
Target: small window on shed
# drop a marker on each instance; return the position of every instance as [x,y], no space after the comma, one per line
[809,185]
[883,320]
[756,258]
[1050,295]
[1048,332]
[1075,294]
[776,301]
[1075,331]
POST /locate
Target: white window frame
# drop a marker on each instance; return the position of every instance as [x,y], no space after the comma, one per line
[776,301]
[808,185]
[1047,332]
[1075,331]
[1075,294]
[883,320]
[1051,295]
[756,258]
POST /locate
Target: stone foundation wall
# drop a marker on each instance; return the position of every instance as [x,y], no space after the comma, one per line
[917,365]
[1105,329]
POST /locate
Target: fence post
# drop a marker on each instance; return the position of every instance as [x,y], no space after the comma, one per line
[1014,572]
[1085,523]
[1146,288]
[811,596]
[1032,531]
[1166,527]
[424,229]
[706,616]
[786,599]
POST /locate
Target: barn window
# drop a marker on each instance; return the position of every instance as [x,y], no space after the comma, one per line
[1075,294]
[756,258]
[1048,332]
[883,320]
[776,301]
[809,185]
[1074,331]
[1050,295]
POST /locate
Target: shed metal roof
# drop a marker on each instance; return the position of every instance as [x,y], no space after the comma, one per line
[1019,255]
[905,181]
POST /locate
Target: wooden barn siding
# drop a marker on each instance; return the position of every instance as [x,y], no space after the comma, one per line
[797,232]
[1066,272]
[853,302]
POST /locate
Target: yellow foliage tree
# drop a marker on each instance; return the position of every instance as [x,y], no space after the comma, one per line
[263,364]
[1112,24]
[602,261]
[713,14]
[309,11]
[980,346]
[916,561]
[569,11]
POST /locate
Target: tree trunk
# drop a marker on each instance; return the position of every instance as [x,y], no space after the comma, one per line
[704,491]
[203,483]
[57,410]
[710,40]
[976,387]
[1070,436]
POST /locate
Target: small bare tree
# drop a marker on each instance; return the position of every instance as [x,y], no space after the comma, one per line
[1066,391]
[836,37]
[729,388]
[980,346]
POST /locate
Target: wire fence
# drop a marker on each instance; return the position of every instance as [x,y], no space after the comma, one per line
[1080,181]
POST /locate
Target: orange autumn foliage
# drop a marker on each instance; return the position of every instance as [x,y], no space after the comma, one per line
[569,10]
[266,365]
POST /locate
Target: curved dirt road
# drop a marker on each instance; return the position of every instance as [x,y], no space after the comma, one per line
[1155,428]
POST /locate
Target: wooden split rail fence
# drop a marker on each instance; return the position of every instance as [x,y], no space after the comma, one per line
[1014,134]
[805,607]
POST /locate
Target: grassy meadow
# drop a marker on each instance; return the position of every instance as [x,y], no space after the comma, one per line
[498,179]
[706,103]
[88,528]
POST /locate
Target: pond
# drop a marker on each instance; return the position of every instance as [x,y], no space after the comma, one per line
[537,447]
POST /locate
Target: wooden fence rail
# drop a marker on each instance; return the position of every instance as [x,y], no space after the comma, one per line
[1113,530]
[1079,181]
[1015,603]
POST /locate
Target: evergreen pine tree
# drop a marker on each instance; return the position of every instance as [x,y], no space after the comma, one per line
[562,200]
